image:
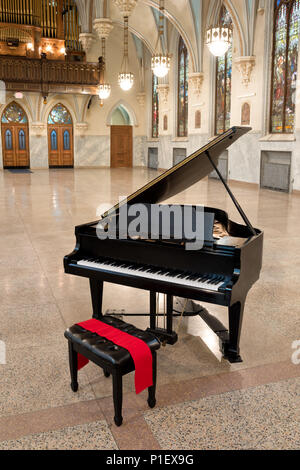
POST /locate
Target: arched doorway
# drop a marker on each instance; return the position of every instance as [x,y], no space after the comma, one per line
[121,138]
[15,137]
[60,138]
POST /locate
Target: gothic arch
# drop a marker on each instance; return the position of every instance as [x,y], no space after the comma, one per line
[128,108]
[177,25]
[52,103]
[24,105]
[137,34]
[212,17]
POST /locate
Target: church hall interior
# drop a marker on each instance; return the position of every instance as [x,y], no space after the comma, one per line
[182,103]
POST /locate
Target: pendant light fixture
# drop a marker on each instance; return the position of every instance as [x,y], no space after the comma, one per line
[160,63]
[104,87]
[219,37]
[126,78]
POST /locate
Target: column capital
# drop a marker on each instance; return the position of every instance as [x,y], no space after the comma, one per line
[103,27]
[245,65]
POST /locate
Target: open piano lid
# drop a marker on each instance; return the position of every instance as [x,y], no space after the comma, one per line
[187,173]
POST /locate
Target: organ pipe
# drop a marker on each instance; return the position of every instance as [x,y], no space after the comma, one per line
[47,15]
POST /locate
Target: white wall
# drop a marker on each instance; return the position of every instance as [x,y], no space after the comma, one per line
[92,126]
[245,155]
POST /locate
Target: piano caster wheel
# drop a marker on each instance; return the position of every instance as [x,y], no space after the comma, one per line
[152,403]
[106,374]
[118,421]
[74,387]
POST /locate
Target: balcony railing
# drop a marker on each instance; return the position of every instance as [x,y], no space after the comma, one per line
[45,75]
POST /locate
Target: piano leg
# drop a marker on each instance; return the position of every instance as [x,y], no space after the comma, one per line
[167,336]
[153,310]
[169,314]
[96,288]
[231,348]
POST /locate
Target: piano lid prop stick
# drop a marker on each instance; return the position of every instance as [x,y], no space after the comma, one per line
[242,213]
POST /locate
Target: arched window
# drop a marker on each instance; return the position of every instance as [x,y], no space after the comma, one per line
[53,140]
[165,122]
[155,107]
[8,140]
[14,113]
[245,120]
[183,89]
[22,140]
[66,140]
[198,119]
[59,115]
[285,64]
[223,82]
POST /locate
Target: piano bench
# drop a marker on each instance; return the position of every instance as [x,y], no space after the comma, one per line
[113,359]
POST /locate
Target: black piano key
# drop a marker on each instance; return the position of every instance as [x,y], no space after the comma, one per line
[183,275]
[176,273]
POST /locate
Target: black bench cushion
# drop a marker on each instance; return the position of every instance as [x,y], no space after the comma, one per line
[106,350]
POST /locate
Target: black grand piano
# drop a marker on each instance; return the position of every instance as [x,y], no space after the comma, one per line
[221,272]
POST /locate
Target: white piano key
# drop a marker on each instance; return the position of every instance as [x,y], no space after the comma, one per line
[146,275]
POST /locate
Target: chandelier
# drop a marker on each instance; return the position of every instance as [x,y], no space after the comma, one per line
[160,63]
[104,91]
[126,78]
[219,39]
[104,88]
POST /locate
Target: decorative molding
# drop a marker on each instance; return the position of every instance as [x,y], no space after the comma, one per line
[103,27]
[243,97]
[38,127]
[86,40]
[81,127]
[141,99]
[126,6]
[196,82]
[198,105]
[245,65]
[163,91]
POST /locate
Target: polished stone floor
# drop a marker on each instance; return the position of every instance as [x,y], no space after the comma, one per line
[38,212]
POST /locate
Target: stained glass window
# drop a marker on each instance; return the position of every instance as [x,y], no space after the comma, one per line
[183,89]
[53,140]
[59,115]
[66,140]
[223,82]
[155,107]
[285,65]
[8,140]
[22,140]
[14,113]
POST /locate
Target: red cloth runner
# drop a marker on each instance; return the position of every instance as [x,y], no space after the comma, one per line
[138,349]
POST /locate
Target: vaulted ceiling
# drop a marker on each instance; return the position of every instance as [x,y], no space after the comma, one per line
[189,18]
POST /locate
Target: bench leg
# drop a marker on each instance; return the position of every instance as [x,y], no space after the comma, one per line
[118,397]
[73,361]
[106,373]
[151,390]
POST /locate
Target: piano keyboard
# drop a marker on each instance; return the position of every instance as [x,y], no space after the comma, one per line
[206,281]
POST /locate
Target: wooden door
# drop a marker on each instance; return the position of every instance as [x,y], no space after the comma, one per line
[121,146]
[15,145]
[60,145]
